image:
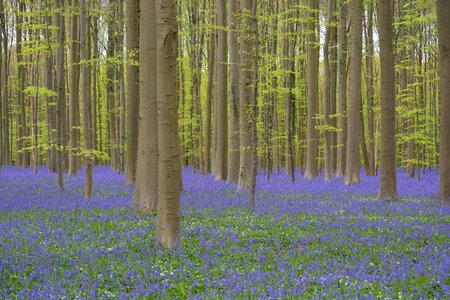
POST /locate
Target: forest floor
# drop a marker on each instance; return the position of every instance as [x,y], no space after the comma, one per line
[308,239]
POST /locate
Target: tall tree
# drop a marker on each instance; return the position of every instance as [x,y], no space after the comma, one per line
[444,55]
[327,91]
[74,82]
[111,88]
[221,107]
[132,89]
[61,92]
[312,94]
[233,156]
[146,191]
[246,94]
[372,169]
[342,89]
[169,173]
[354,107]
[388,181]
[23,155]
[121,88]
[210,91]
[86,94]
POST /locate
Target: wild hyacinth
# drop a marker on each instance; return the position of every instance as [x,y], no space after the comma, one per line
[308,239]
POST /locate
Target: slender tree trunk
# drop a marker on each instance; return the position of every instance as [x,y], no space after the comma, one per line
[169,177]
[327,92]
[444,55]
[342,90]
[146,190]
[220,103]
[85,94]
[209,94]
[312,94]
[111,95]
[74,81]
[388,181]
[60,100]
[354,137]
[233,161]
[370,93]
[22,154]
[121,88]
[94,81]
[246,94]
[254,112]
[132,89]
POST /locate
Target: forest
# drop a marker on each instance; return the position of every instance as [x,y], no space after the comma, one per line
[212,149]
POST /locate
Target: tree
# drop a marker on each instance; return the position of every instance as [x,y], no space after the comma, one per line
[370,92]
[132,89]
[233,154]
[61,92]
[444,55]
[146,190]
[210,92]
[74,81]
[221,101]
[327,92]
[246,94]
[354,107]
[342,89]
[111,88]
[86,94]
[388,181]
[169,174]
[312,93]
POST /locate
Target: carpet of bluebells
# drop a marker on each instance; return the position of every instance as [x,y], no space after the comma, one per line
[308,239]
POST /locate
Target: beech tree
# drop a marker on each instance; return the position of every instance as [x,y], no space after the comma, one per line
[354,106]
[312,94]
[221,100]
[444,55]
[169,174]
[146,189]
[132,89]
[388,181]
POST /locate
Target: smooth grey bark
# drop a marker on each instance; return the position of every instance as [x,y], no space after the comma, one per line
[444,55]
[388,180]
[352,172]
[146,190]
[132,83]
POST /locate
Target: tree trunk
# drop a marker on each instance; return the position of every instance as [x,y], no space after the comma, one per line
[444,55]
[327,92]
[233,161]
[342,90]
[210,93]
[370,93]
[254,112]
[146,191]
[111,93]
[246,94]
[60,100]
[169,177]
[85,95]
[312,94]
[354,137]
[132,89]
[74,81]
[121,89]
[388,181]
[220,103]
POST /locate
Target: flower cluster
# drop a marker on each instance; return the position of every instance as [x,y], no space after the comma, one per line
[307,239]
